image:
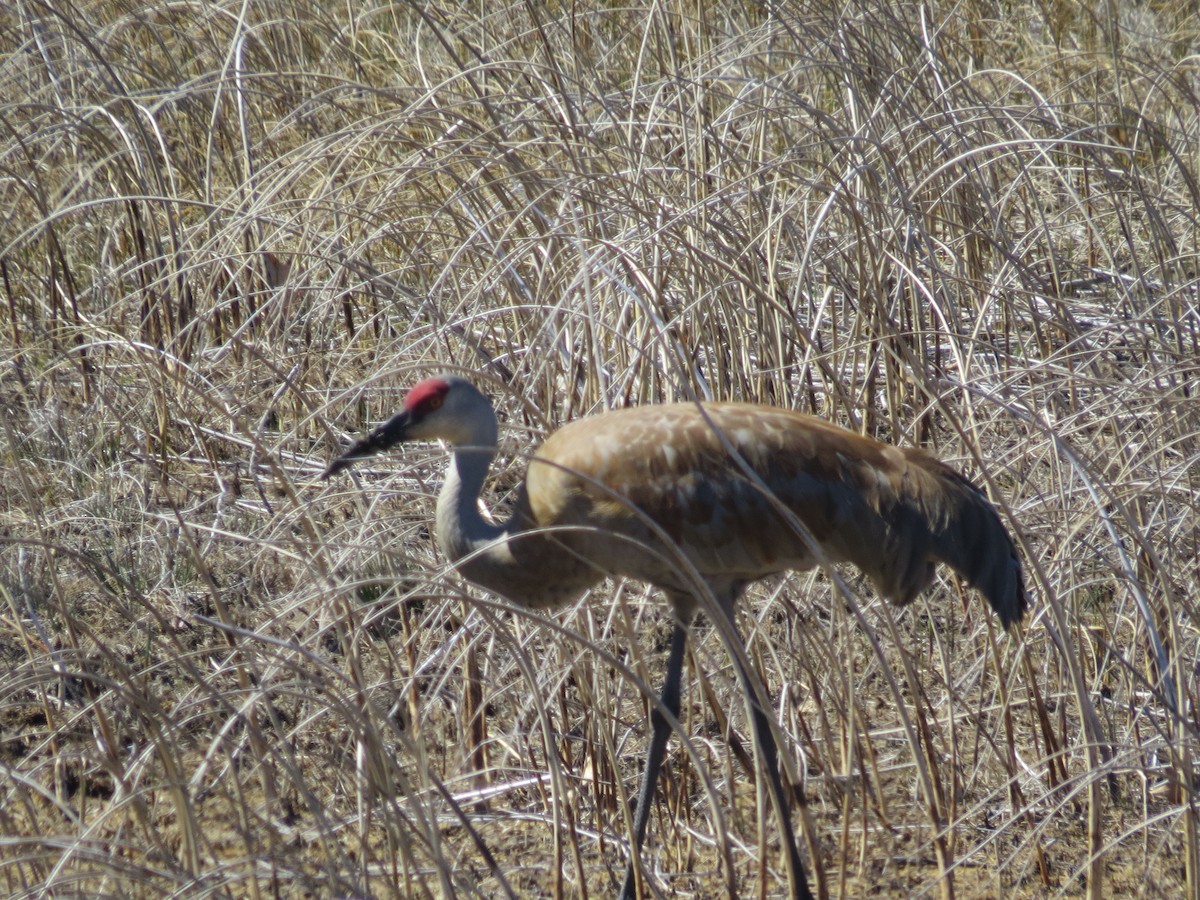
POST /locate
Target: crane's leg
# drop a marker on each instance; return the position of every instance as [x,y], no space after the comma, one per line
[766,744]
[660,731]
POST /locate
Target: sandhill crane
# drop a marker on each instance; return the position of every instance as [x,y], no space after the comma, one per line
[739,491]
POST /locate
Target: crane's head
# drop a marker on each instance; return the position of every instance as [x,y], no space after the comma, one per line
[446,407]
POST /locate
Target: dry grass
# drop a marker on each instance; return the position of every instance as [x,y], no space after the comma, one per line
[232,234]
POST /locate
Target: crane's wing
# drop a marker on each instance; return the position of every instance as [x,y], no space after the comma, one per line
[891,512]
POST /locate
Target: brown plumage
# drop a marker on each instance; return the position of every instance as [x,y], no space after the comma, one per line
[891,512]
[602,491]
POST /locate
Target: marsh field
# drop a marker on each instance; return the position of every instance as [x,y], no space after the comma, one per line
[232,235]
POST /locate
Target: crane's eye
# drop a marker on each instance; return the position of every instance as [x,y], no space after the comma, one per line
[433,403]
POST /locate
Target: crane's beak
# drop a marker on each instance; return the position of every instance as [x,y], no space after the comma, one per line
[389,434]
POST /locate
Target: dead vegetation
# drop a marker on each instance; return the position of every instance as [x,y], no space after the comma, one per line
[231,235]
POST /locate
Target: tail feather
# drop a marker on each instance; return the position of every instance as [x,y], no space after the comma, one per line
[967,534]
[940,516]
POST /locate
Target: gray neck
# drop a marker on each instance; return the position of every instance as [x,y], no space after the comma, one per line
[523,567]
[461,528]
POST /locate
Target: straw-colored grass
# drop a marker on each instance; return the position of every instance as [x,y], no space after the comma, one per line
[232,234]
